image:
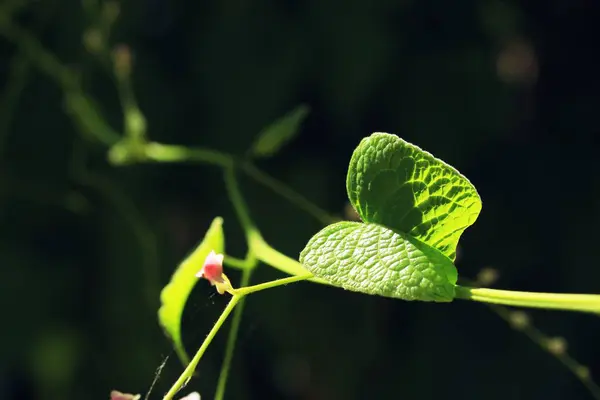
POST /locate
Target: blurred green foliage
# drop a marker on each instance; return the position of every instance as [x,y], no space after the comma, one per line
[498,89]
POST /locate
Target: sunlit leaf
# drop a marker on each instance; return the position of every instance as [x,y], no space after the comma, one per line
[373,259]
[414,208]
[174,296]
[396,184]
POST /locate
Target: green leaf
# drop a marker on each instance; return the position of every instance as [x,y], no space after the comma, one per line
[174,296]
[373,259]
[396,184]
[276,135]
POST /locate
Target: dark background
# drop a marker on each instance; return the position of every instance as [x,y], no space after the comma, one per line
[507,92]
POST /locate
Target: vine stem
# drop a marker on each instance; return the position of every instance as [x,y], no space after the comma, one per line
[159,152]
[231,339]
[558,301]
[248,264]
[287,193]
[238,263]
[256,246]
[189,370]
[244,291]
[238,295]
[267,254]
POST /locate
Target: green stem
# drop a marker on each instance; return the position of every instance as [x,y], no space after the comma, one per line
[135,122]
[189,370]
[557,301]
[238,263]
[267,254]
[159,152]
[238,295]
[241,209]
[231,339]
[243,291]
[287,193]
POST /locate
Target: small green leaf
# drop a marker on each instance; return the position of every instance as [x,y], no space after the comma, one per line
[373,259]
[276,135]
[174,296]
[396,184]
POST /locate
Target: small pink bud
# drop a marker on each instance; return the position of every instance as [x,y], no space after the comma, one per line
[116,395]
[212,270]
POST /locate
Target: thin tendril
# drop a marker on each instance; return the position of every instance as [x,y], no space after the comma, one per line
[156,377]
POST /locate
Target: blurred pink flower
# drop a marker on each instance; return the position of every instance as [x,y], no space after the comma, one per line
[212,270]
[116,395]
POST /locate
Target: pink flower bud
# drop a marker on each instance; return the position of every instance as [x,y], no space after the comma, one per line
[116,395]
[212,270]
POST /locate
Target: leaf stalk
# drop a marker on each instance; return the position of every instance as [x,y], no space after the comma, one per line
[556,301]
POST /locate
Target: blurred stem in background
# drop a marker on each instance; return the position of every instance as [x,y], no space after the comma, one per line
[521,322]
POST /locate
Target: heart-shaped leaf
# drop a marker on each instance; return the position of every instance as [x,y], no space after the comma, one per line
[373,259]
[396,184]
[174,296]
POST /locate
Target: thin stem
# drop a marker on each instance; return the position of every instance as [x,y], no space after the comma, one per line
[289,194]
[189,370]
[243,291]
[231,339]
[238,263]
[135,123]
[238,295]
[542,340]
[557,301]
[88,119]
[241,209]
[170,153]
[159,152]
[267,254]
